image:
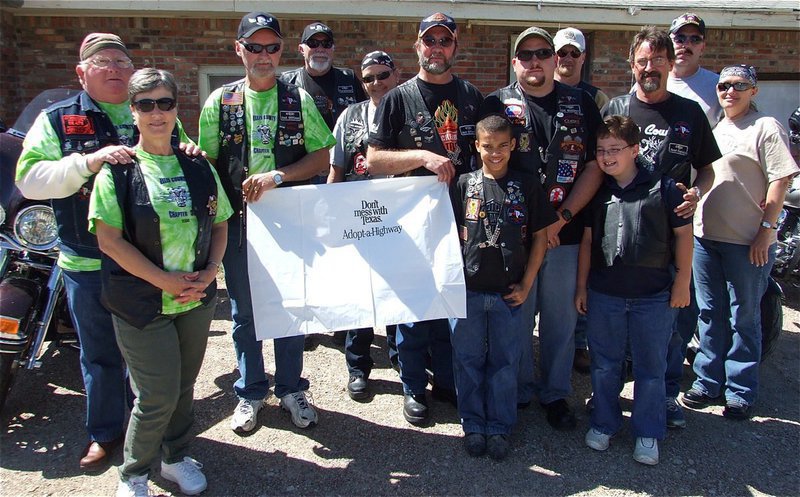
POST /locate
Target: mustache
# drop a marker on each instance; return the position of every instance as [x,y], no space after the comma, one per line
[651,74]
[685,51]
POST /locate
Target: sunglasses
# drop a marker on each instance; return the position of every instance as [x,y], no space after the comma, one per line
[148,104]
[682,39]
[271,48]
[377,77]
[738,86]
[541,54]
[312,43]
[572,53]
[431,42]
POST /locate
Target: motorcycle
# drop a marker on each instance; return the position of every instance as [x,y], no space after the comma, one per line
[33,307]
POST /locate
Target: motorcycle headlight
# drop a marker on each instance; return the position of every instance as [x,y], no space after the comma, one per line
[35,227]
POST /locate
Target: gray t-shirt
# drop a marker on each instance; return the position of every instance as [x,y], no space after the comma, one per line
[702,88]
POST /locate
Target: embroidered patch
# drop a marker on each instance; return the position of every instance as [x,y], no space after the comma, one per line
[567,169]
[462,232]
[212,205]
[524,144]
[473,209]
[681,128]
[678,149]
[360,164]
[232,98]
[77,125]
[556,195]
[290,115]
[516,215]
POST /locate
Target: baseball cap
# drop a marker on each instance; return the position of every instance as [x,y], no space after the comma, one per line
[686,19]
[533,31]
[377,58]
[569,36]
[316,28]
[437,19]
[255,21]
[94,42]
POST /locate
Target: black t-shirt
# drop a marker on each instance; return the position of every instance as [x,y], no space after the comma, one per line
[543,110]
[691,140]
[492,277]
[635,281]
[327,82]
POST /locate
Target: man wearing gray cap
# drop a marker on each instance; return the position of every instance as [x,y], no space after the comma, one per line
[333,88]
[349,163]
[66,146]
[570,45]
[427,126]
[261,133]
[554,125]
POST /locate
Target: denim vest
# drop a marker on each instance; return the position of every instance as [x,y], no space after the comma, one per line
[129,297]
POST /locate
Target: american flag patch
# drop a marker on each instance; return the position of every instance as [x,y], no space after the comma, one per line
[566,171]
[232,98]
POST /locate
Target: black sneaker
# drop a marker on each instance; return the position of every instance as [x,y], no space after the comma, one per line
[695,399]
[498,447]
[475,444]
[737,409]
[358,388]
[560,416]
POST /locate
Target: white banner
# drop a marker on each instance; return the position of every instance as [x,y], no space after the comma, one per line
[353,255]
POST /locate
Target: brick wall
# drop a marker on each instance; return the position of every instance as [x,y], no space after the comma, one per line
[40,52]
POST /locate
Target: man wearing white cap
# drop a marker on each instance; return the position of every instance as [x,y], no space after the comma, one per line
[570,47]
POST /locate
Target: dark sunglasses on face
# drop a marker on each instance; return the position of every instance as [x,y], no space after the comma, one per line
[682,39]
[738,86]
[271,48]
[376,77]
[312,43]
[431,42]
[148,104]
[572,53]
[541,54]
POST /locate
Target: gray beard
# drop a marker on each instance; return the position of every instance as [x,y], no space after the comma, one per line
[650,85]
[319,66]
[434,68]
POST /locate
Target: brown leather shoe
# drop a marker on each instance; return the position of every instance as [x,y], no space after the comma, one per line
[98,454]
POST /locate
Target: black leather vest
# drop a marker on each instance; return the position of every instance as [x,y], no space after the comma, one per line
[513,238]
[346,95]
[633,228]
[127,296]
[233,160]
[560,162]
[356,133]
[420,131]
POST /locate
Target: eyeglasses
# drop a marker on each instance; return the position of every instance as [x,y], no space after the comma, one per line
[655,62]
[312,43]
[148,104]
[431,42]
[376,77]
[541,54]
[271,48]
[104,62]
[738,86]
[572,53]
[611,152]
[682,39]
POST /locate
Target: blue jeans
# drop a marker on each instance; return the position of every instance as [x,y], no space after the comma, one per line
[646,324]
[252,383]
[103,370]
[553,296]
[729,290]
[416,342]
[486,352]
[356,349]
[683,331]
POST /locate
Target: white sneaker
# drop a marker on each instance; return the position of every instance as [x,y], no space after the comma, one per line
[303,413]
[596,439]
[646,451]
[246,415]
[135,486]
[186,474]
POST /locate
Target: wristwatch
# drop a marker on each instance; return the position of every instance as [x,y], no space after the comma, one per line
[566,215]
[767,225]
[277,178]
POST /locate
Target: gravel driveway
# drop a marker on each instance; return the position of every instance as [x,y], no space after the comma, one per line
[368,449]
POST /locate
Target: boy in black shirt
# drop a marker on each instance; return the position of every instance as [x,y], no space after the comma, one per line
[501,216]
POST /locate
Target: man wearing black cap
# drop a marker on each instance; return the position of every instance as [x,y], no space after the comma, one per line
[554,125]
[349,163]
[427,126]
[66,146]
[261,133]
[675,137]
[333,88]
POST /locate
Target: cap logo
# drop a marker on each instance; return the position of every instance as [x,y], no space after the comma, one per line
[317,27]
[438,17]
[569,35]
[260,20]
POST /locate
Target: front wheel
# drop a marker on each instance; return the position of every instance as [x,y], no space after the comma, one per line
[8,371]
